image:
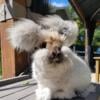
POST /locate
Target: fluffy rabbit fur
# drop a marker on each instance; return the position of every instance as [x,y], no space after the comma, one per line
[25,34]
[58,71]
[60,80]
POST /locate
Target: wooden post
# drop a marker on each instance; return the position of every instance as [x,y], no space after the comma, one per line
[1,1]
[23,60]
[97,67]
[97,70]
[86,46]
[89,33]
[7,53]
[13,63]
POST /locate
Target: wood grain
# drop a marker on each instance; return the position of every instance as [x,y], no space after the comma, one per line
[7,52]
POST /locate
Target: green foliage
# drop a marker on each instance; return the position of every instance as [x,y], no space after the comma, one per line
[71,13]
[81,37]
[96,39]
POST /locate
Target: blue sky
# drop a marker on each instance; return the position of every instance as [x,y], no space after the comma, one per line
[59,3]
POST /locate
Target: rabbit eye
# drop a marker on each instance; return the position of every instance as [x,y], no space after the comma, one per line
[45,27]
[43,45]
[65,28]
[63,31]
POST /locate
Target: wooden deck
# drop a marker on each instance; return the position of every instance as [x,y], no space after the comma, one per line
[25,90]
[18,91]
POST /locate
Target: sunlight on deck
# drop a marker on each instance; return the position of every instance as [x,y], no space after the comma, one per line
[93,78]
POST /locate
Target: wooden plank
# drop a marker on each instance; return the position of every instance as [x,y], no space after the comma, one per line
[12,61]
[8,54]
[2,1]
[97,67]
[97,70]
[97,58]
[13,80]
[16,88]
[12,90]
[28,81]
[21,94]
[29,97]
[25,90]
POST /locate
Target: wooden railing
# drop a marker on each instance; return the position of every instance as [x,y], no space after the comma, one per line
[97,67]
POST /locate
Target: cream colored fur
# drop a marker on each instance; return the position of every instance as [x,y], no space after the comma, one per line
[55,80]
[25,34]
[68,28]
[71,75]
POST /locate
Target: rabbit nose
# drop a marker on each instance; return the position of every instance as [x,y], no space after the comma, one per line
[56,55]
[56,52]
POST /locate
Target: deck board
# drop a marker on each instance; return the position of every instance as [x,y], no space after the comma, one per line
[20,94]
[8,89]
[25,90]
[17,91]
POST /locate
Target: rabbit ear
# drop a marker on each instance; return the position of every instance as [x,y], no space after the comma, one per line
[24,35]
[51,21]
[68,28]
[71,32]
[34,16]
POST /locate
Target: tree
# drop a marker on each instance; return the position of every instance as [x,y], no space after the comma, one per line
[81,37]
